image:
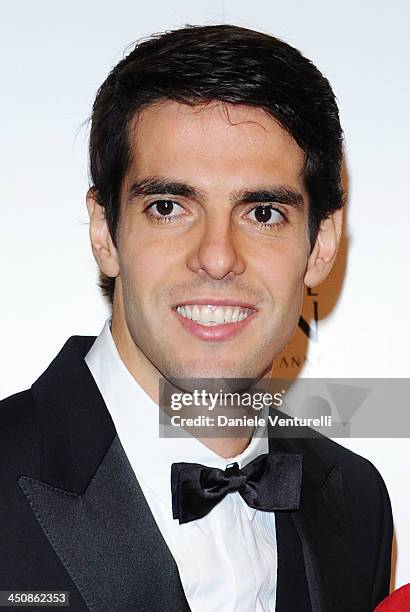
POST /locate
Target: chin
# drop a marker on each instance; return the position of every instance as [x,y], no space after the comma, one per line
[212,371]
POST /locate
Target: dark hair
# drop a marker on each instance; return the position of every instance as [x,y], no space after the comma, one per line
[198,64]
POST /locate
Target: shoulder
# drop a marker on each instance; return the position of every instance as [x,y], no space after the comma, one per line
[12,406]
[359,472]
[16,411]
[363,486]
[331,451]
[365,494]
[351,462]
[20,434]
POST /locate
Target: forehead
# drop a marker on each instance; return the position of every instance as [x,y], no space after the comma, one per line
[215,142]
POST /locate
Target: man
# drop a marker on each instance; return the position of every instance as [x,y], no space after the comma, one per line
[215,157]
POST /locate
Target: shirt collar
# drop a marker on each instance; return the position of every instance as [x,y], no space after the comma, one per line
[136,419]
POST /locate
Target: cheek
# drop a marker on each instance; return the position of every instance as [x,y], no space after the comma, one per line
[146,267]
[282,271]
[138,270]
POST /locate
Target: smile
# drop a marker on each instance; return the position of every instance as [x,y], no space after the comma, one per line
[210,315]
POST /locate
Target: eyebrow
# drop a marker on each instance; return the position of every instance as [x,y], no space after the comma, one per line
[277,193]
[157,185]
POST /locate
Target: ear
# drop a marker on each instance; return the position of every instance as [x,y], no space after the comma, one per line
[323,254]
[104,251]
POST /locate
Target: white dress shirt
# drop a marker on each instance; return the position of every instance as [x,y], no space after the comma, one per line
[227,560]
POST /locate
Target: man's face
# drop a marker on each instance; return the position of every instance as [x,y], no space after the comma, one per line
[213,219]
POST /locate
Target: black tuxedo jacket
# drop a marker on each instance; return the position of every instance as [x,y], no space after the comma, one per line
[73,517]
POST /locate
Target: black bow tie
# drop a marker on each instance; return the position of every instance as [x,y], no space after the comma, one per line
[269,482]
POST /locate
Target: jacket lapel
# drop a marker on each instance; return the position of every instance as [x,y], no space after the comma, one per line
[292,591]
[320,524]
[88,501]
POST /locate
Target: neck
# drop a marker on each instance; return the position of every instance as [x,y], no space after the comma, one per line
[227,447]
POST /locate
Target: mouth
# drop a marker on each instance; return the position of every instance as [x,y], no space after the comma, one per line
[214,320]
[210,315]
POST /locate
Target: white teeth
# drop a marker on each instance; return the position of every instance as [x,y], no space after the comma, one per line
[228,315]
[195,315]
[235,314]
[219,315]
[205,315]
[213,315]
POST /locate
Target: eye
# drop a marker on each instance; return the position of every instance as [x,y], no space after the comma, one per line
[163,211]
[266,215]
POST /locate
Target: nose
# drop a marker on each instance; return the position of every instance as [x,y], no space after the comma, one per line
[217,251]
